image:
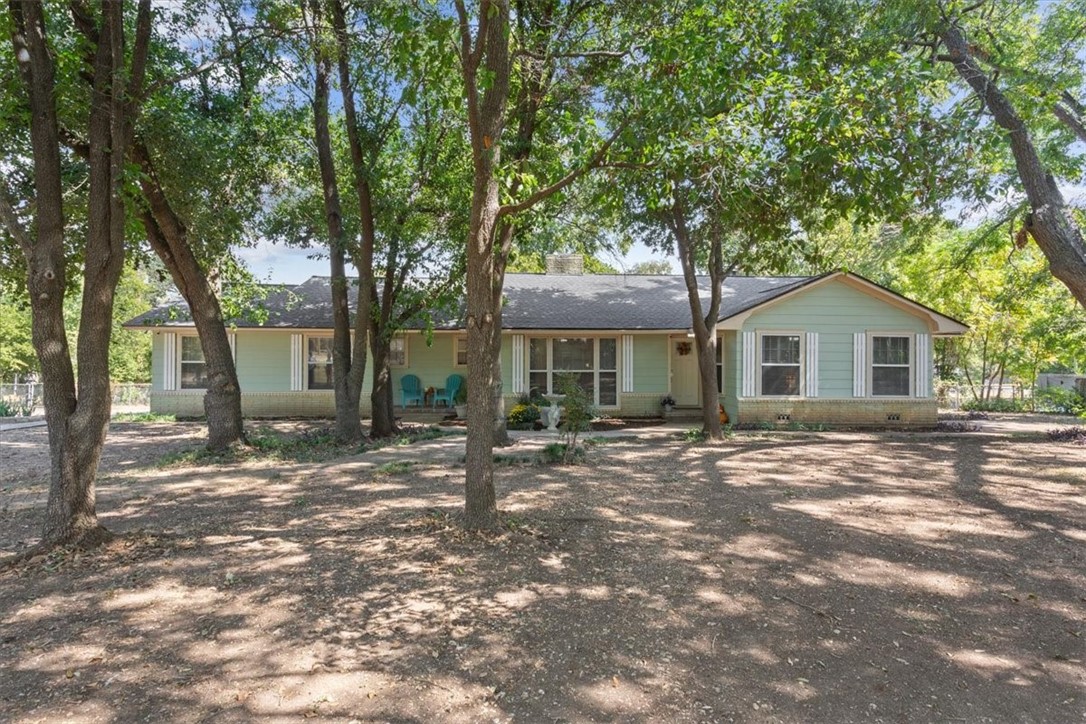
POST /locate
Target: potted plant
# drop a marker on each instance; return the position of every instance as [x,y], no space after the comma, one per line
[460,401]
[668,403]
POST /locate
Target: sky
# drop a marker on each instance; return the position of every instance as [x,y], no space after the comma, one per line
[285,265]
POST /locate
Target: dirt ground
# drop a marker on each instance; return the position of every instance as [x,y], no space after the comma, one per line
[778,577]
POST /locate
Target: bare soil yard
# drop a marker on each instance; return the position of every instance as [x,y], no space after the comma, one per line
[881,577]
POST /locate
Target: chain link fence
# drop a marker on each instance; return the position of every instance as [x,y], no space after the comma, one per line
[24,399]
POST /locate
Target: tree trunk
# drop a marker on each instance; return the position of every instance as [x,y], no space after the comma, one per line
[348,421]
[382,414]
[168,237]
[1050,222]
[703,322]
[501,429]
[363,259]
[77,416]
[484,342]
[486,119]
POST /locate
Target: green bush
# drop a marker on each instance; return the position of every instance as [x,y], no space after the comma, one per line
[1059,400]
[523,414]
[999,404]
[15,407]
[560,452]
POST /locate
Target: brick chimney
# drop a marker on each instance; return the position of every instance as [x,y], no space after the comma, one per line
[565,264]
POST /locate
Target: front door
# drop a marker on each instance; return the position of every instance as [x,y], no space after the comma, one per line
[685,387]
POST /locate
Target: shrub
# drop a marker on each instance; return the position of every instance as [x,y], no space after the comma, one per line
[694,434]
[522,414]
[1075,435]
[998,404]
[1060,400]
[560,452]
[578,413]
[15,407]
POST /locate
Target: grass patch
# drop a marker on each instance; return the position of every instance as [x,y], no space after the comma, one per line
[806,427]
[309,446]
[316,445]
[395,468]
[184,458]
[599,440]
[555,452]
[515,460]
[143,417]
[410,437]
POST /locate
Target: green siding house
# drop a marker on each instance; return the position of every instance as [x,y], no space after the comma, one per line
[834,349]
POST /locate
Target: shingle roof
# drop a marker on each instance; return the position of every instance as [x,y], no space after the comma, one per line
[532,301]
[625,301]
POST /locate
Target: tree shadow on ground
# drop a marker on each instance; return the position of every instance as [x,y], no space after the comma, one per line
[857,577]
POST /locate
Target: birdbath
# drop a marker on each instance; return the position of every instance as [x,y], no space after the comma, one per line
[554,412]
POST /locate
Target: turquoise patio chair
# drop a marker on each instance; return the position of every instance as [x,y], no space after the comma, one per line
[410,390]
[447,394]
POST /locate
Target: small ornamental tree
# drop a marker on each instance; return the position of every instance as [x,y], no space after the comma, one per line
[578,414]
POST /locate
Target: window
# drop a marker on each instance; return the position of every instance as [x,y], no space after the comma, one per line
[460,352]
[193,367]
[608,372]
[319,356]
[720,365]
[780,370]
[397,352]
[593,362]
[538,378]
[891,371]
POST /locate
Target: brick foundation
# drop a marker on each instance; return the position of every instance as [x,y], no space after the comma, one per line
[843,412]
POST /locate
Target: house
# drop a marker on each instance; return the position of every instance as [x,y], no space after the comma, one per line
[834,348]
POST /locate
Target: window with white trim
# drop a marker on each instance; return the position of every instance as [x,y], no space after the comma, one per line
[193,365]
[319,375]
[780,367]
[460,352]
[891,365]
[397,352]
[592,361]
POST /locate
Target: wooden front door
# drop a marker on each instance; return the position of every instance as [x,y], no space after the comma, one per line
[684,372]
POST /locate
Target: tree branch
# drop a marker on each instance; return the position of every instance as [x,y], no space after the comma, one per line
[1066,113]
[584,54]
[569,178]
[11,222]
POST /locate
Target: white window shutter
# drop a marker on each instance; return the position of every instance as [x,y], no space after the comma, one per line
[518,364]
[812,364]
[232,338]
[627,363]
[170,361]
[297,362]
[750,364]
[923,365]
[859,364]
